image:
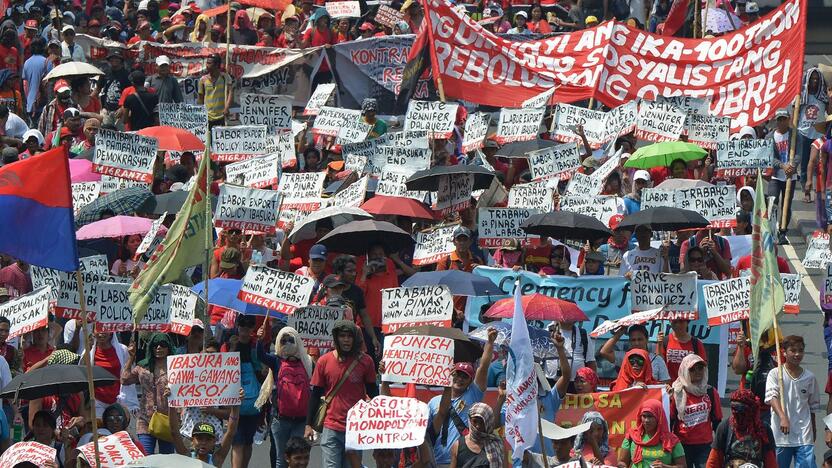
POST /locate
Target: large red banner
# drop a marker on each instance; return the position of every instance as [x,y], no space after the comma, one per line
[747,75]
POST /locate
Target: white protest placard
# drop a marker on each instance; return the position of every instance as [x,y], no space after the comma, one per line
[518,125]
[84,193]
[610,165]
[718,203]
[31,452]
[476,129]
[534,195]
[275,290]
[707,130]
[567,118]
[434,245]
[620,120]
[817,252]
[190,117]
[353,131]
[110,184]
[259,172]
[420,359]
[454,193]
[297,215]
[356,163]
[319,98]
[182,309]
[231,144]
[314,324]
[498,225]
[652,198]
[273,111]
[302,190]
[792,285]
[114,313]
[387,16]
[386,422]
[93,270]
[114,450]
[735,158]
[582,185]
[541,100]
[420,305]
[555,162]
[247,209]
[686,104]
[330,120]
[343,9]
[47,277]
[125,155]
[659,122]
[826,292]
[727,301]
[204,379]
[399,158]
[434,117]
[147,240]
[369,148]
[392,183]
[353,195]
[601,207]
[27,313]
[675,293]
[283,146]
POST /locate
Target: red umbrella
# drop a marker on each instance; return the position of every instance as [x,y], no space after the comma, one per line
[400,206]
[173,139]
[539,307]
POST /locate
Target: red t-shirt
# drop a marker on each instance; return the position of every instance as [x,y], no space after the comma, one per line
[744,263]
[319,38]
[676,351]
[695,427]
[328,372]
[372,288]
[9,58]
[32,356]
[108,359]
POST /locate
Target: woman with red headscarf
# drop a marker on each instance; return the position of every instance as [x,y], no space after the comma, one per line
[742,438]
[586,380]
[243,32]
[636,371]
[651,441]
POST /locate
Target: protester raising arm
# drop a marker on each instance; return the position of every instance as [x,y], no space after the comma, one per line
[607,352]
[203,439]
[481,377]
[565,369]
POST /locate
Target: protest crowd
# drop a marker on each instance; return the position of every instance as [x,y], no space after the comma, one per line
[428,233]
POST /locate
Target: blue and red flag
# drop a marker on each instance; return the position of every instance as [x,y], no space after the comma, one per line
[36,220]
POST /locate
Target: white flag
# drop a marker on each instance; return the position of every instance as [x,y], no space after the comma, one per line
[521,385]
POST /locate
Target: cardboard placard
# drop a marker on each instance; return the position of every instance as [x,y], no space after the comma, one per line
[247,209]
[518,125]
[817,252]
[114,450]
[602,207]
[231,144]
[718,203]
[369,148]
[84,193]
[110,184]
[476,129]
[707,130]
[567,118]
[454,193]
[582,185]
[421,305]
[32,452]
[497,225]
[302,190]
[434,245]
[387,16]
[343,9]
[353,131]
[27,313]
[94,269]
[727,301]
[182,309]
[330,120]
[620,120]
[555,162]
[190,117]
[672,292]
[735,158]
[320,98]
[423,360]
[114,313]
[792,285]
[686,104]
[273,111]
[436,118]
[399,158]
[534,195]
[353,195]
[356,163]
[541,100]
[386,422]
[282,145]
[204,379]
[659,122]
[125,155]
[276,290]
[392,184]
[147,240]
[314,325]
[259,172]
[652,198]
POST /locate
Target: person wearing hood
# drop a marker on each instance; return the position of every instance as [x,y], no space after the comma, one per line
[635,371]
[243,32]
[378,127]
[202,26]
[348,363]
[287,384]
[650,443]
[401,28]
[814,107]
[116,418]
[743,438]
[480,447]
[594,444]
[695,410]
[113,356]
[151,374]
[319,34]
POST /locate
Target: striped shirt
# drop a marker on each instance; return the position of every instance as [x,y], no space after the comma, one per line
[214,92]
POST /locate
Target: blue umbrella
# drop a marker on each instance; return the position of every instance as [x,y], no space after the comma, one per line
[459,282]
[542,345]
[223,292]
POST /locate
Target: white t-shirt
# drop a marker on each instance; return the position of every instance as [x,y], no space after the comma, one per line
[781,150]
[802,398]
[637,260]
[575,355]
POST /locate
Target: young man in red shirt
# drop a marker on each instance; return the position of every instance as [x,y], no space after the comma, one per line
[680,343]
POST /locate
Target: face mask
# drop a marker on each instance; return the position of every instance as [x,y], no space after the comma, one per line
[289,349]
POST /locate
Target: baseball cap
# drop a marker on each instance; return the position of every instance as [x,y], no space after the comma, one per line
[521,13]
[590,19]
[615,220]
[31,24]
[641,174]
[230,258]
[198,324]
[366,26]
[68,27]
[462,231]
[143,5]
[61,86]
[204,428]
[465,368]
[332,281]
[162,60]
[71,112]
[511,244]
[336,165]
[747,130]
[781,113]
[317,252]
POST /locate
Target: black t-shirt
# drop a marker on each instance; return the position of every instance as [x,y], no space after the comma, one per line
[141,116]
[747,449]
[355,296]
[111,89]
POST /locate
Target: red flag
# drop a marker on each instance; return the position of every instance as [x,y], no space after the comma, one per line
[676,17]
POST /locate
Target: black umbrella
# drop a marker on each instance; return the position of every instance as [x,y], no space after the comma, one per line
[172,202]
[57,379]
[465,350]
[665,218]
[518,149]
[121,202]
[356,237]
[565,225]
[428,179]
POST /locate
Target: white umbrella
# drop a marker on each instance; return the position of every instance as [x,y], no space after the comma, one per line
[168,461]
[73,69]
[337,214]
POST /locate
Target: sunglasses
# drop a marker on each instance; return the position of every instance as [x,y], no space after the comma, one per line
[636,361]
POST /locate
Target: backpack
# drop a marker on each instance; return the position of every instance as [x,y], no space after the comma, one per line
[292,389]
